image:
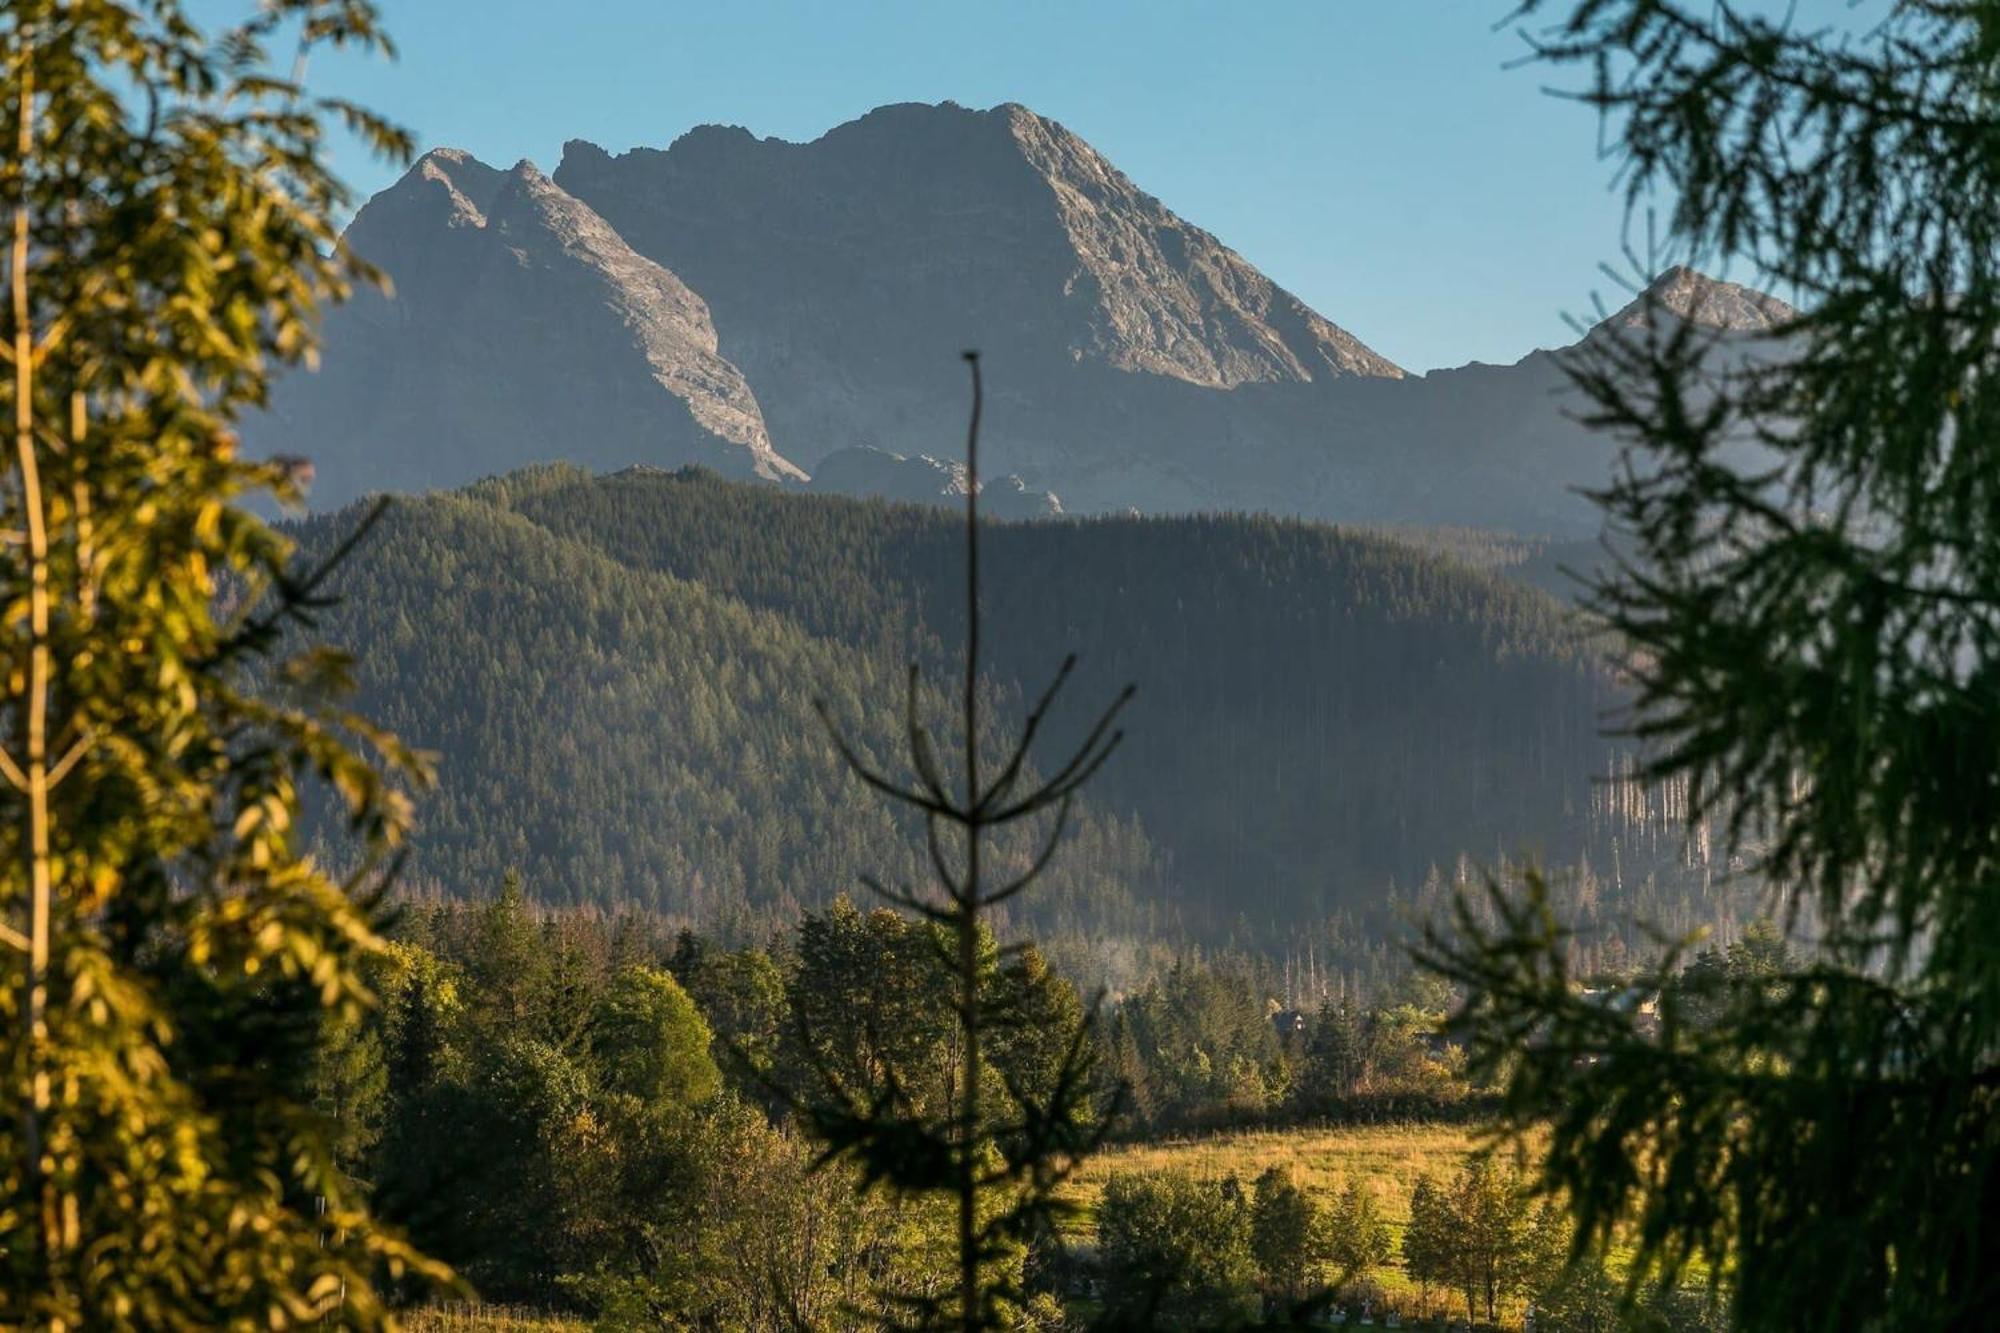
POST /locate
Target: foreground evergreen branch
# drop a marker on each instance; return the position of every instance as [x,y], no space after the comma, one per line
[1812,605]
[169,956]
[1000,1159]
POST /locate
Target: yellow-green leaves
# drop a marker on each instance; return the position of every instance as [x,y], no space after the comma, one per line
[174,239]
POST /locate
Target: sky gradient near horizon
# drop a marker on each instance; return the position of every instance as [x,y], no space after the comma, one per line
[1379,160]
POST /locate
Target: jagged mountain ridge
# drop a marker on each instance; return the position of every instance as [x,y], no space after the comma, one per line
[877,474]
[758,306]
[520,327]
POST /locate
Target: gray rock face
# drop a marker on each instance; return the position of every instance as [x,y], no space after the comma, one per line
[521,328]
[846,273]
[927,480]
[750,304]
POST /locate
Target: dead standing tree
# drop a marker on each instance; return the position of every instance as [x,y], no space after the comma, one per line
[1001,1162]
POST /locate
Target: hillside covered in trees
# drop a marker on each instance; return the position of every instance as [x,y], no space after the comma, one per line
[617,674]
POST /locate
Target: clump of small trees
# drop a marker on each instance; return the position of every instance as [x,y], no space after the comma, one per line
[1480,1235]
[1182,1250]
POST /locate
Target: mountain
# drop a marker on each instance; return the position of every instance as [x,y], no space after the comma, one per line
[1709,303]
[618,674]
[773,309]
[846,273]
[522,327]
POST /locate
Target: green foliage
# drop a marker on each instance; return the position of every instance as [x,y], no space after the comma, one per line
[559,1126]
[168,954]
[1205,1045]
[1476,1235]
[1288,1235]
[614,1164]
[1582,1299]
[1357,1241]
[1809,605]
[869,1004]
[1175,1249]
[1427,1240]
[763,1239]
[653,1042]
[741,992]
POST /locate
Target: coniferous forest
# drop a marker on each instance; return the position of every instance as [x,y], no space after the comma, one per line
[619,673]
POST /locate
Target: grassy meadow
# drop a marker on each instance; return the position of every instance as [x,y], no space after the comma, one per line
[1386,1159]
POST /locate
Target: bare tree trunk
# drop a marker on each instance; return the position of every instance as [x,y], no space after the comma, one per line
[968,931]
[31,775]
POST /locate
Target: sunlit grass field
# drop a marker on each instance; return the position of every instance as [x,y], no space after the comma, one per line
[1385,1159]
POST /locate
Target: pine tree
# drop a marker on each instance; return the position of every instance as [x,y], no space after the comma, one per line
[1002,1176]
[1357,1238]
[1288,1235]
[1427,1240]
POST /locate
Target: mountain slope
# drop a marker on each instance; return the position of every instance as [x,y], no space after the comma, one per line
[521,328]
[618,673]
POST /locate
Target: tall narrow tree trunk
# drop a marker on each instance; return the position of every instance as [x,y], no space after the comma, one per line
[968,934]
[33,777]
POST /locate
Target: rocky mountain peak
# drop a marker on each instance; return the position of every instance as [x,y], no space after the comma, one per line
[521,327]
[1010,222]
[446,187]
[1706,302]
[1174,300]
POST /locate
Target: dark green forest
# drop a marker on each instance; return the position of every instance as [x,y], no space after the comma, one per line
[618,675]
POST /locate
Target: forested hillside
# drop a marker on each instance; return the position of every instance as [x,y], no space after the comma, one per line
[618,674]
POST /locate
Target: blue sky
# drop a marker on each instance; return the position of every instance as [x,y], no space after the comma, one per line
[1374,156]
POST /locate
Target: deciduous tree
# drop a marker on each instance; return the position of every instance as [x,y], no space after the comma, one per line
[170,237]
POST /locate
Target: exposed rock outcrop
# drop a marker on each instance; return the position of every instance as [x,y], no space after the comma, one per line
[926,480]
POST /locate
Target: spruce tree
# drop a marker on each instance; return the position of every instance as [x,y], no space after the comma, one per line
[1000,1168]
[1811,603]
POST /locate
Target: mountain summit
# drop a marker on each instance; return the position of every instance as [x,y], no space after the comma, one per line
[1706,302]
[762,307]
[963,228]
[845,274]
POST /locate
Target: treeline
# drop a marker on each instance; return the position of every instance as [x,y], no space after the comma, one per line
[604,1113]
[600,1112]
[597,1115]
[618,673]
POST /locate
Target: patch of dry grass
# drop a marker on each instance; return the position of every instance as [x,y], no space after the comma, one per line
[466,1318]
[1386,1159]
